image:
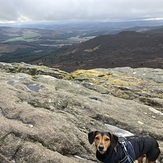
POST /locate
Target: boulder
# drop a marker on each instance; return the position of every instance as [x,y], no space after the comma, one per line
[45,117]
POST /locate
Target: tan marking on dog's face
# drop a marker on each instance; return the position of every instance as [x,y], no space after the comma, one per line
[102,142]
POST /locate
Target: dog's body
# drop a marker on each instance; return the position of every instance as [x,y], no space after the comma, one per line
[110,149]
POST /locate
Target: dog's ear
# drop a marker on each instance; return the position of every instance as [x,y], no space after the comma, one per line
[91,136]
[113,139]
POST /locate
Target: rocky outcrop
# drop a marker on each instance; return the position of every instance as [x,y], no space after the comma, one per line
[45,114]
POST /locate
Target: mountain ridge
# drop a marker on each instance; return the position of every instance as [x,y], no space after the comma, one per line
[127,48]
[53,46]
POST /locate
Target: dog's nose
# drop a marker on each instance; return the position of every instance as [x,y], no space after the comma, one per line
[101,147]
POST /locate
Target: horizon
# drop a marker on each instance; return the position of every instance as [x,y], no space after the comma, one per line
[133,22]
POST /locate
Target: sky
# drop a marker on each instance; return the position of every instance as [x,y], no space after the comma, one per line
[101,10]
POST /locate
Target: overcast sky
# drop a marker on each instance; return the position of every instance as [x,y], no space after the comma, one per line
[51,10]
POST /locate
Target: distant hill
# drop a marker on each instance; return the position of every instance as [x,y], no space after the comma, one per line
[74,46]
[127,48]
[31,44]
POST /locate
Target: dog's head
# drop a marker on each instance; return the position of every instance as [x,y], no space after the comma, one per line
[103,140]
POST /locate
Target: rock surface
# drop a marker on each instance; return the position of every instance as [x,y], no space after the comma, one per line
[45,114]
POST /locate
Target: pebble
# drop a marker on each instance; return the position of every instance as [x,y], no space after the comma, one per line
[141,123]
[30,125]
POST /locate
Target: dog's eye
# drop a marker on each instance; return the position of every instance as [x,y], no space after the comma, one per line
[107,139]
[97,138]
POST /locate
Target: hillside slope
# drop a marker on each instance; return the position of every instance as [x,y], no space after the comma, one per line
[124,49]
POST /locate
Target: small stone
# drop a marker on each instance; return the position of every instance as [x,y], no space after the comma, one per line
[30,125]
[141,123]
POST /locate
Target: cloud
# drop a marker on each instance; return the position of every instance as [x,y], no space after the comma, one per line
[38,10]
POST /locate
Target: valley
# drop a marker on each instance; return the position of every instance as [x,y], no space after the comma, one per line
[28,45]
[71,46]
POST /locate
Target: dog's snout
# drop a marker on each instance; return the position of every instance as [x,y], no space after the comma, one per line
[101,147]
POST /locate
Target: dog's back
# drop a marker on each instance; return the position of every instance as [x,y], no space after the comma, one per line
[145,145]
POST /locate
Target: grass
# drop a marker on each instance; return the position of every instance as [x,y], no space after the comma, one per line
[27,36]
[78,39]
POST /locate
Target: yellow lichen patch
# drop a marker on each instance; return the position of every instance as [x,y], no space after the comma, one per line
[89,73]
[99,77]
[84,74]
[122,82]
[123,77]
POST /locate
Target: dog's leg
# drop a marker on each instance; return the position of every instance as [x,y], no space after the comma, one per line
[140,160]
[147,161]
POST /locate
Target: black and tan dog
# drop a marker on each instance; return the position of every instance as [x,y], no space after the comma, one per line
[111,149]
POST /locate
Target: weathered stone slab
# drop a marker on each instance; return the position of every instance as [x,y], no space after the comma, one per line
[46,119]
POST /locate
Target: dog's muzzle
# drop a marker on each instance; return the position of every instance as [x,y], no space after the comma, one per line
[101,148]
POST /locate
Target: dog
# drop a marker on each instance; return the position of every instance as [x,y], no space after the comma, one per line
[113,149]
